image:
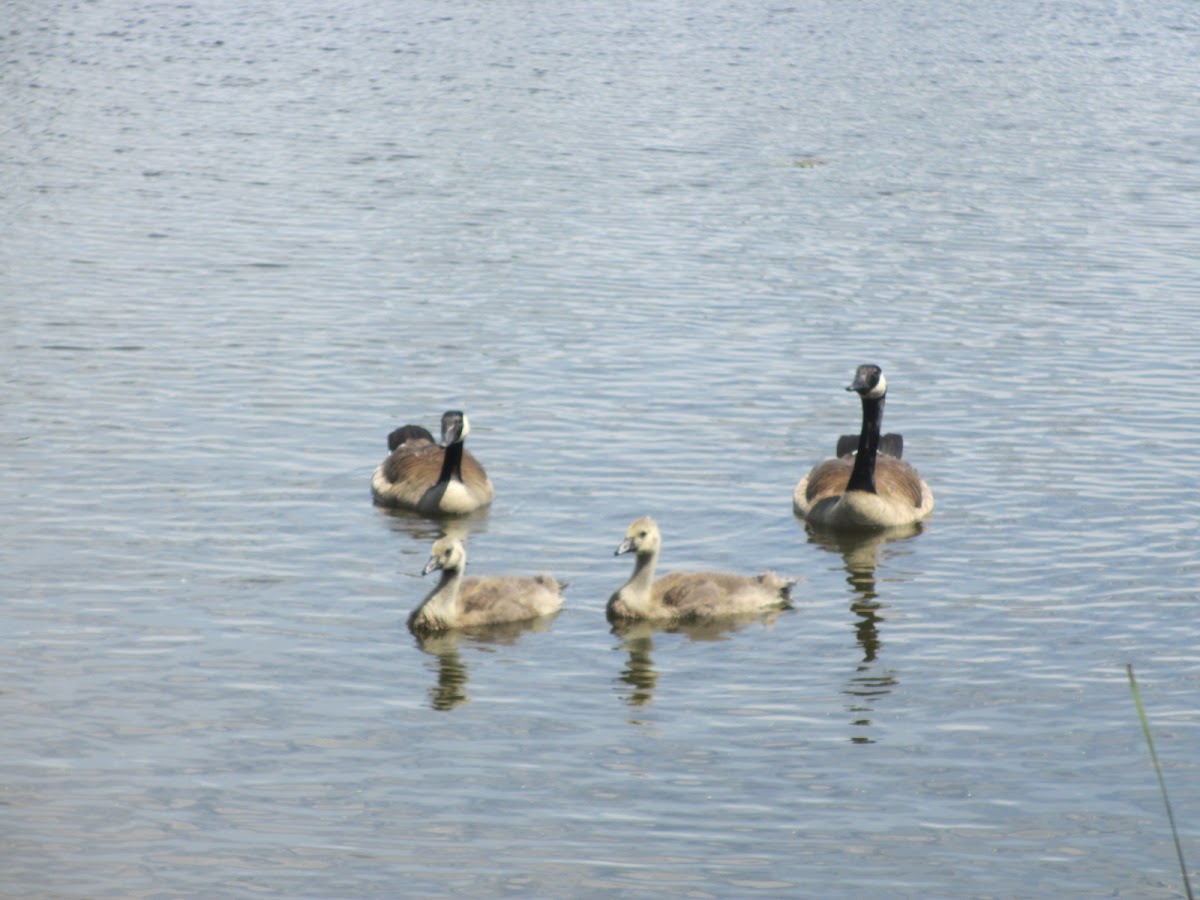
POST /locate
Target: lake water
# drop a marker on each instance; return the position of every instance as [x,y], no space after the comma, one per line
[644,246]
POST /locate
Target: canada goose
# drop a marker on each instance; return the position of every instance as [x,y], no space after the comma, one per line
[430,478]
[683,596]
[459,602]
[867,485]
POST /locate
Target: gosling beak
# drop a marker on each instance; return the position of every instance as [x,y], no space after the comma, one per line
[626,547]
[431,565]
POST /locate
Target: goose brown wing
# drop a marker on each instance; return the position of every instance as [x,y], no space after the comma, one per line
[414,464]
[896,478]
[828,479]
[473,474]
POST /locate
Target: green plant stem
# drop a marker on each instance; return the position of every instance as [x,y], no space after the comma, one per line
[1162,784]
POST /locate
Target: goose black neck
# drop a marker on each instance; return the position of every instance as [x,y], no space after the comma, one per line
[452,463]
[862,478]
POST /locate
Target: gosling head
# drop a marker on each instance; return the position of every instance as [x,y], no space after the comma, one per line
[454,426]
[448,554]
[868,382]
[641,537]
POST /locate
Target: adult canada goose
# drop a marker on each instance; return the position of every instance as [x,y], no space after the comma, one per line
[430,478]
[459,602]
[867,485]
[687,596]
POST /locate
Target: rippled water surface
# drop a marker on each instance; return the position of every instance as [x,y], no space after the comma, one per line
[644,246]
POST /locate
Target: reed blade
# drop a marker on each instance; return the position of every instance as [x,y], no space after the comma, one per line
[1162,784]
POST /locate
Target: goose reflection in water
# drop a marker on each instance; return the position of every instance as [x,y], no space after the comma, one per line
[637,639]
[426,530]
[860,556]
[450,689]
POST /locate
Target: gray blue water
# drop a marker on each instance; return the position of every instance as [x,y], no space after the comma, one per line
[644,247]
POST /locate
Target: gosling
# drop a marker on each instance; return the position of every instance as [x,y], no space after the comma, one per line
[687,596]
[459,602]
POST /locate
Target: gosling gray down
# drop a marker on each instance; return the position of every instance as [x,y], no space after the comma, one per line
[429,478]
[867,485]
[687,596]
[458,602]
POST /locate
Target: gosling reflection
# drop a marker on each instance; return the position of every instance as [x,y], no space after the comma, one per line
[450,689]
[639,675]
[860,556]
